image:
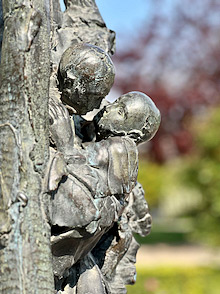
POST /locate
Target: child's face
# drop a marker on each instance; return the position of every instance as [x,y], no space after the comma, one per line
[83,95]
[86,77]
[133,111]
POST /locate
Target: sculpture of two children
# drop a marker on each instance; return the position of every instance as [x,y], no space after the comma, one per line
[91,183]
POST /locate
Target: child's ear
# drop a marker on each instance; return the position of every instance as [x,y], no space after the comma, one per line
[70,75]
[136,135]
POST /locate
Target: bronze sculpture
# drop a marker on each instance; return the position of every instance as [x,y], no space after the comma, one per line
[95,200]
[85,205]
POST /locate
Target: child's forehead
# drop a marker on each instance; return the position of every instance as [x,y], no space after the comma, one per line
[132,103]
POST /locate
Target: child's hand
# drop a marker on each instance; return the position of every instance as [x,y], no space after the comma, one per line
[61,128]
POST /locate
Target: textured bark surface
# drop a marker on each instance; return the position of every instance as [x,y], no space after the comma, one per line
[25,257]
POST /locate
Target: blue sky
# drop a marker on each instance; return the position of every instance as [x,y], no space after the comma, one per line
[123,16]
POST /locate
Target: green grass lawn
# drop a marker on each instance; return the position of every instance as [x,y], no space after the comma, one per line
[169,280]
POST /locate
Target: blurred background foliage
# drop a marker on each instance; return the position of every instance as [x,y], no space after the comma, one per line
[201,171]
[188,186]
[174,57]
[170,50]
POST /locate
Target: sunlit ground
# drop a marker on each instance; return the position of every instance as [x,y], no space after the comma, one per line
[176,280]
[177,269]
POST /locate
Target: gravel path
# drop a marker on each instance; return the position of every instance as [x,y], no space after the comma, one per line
[162,255]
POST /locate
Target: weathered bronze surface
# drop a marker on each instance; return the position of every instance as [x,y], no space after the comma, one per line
[86,77]
[95,201]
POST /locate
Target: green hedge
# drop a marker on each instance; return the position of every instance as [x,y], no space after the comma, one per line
[172,238]
[176,281]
